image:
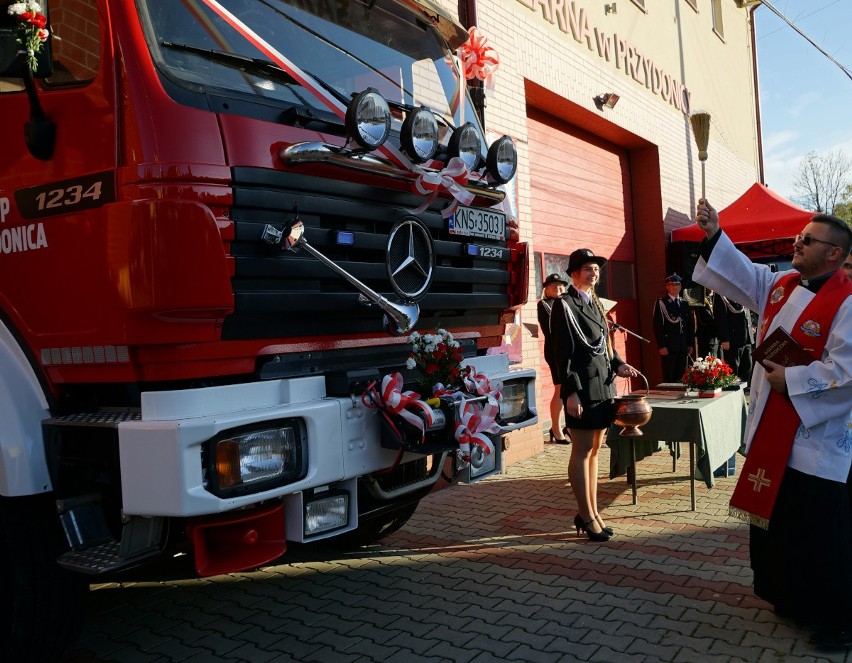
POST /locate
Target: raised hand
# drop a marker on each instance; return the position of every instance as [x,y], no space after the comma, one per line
[707,218]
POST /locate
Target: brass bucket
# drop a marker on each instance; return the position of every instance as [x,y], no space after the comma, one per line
[633,411]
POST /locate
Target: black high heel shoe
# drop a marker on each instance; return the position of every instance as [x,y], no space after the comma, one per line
[608,530]
[558,440]
[583,525]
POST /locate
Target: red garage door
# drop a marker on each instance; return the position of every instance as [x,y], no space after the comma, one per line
[581,199]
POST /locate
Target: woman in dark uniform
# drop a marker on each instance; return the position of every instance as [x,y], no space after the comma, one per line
[587,366]
[552,289]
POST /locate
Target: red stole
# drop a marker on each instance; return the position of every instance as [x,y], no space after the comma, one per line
[754,496]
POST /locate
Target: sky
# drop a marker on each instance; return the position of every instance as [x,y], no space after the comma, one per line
[805,99]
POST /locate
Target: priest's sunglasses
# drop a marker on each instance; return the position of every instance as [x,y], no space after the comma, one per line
[807,240]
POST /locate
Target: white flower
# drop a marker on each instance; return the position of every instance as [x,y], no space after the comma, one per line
[17,8]
[410,363]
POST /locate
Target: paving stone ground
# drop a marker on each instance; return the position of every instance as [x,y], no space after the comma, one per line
[492,571]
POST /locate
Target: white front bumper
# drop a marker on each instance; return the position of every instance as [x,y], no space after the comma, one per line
[161,466]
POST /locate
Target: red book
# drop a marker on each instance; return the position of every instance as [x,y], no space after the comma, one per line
[781,348]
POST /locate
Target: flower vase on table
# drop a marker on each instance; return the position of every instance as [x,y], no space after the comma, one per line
[707,377]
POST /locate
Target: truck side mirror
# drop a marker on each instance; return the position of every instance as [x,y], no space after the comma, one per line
[39,131]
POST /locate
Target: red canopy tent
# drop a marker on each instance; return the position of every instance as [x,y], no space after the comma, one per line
[761,218]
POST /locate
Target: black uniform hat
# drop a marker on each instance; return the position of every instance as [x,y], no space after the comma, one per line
[582,256]
[673,278]
[553,278]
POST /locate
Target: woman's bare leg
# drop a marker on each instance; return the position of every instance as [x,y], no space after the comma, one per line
[593,473]
[555,413]
[579,472]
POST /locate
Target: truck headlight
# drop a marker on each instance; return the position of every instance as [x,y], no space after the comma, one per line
[244,461]
[514,404]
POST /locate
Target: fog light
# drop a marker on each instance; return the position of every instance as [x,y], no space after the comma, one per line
[256,460]
[513,405]
[326,512]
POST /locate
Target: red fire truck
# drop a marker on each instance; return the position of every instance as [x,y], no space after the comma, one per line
[219,222]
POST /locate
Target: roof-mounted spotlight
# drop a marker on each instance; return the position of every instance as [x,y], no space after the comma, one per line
[419,135]
[502,160]
[368,119]
[466,144]
[608,99]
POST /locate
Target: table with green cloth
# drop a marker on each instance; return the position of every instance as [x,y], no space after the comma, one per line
[713,427]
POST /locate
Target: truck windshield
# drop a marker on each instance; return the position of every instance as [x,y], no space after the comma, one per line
[344,47]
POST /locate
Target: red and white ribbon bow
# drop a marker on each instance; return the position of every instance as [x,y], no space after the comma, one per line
[479,60]
[474,422]
[479,384]
[451,179]
[405,404]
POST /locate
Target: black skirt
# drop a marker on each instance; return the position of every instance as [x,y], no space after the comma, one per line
[803,563]
[597,415]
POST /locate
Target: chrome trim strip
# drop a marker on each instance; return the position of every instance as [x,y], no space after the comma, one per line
[317,152]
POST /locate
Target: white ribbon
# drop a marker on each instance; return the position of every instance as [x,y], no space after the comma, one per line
[451,179]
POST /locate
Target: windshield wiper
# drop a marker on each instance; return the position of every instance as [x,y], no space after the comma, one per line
[258,66]
[245,64]
[410,108]
[235,60]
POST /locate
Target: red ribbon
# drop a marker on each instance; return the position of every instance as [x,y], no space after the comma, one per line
[479,60]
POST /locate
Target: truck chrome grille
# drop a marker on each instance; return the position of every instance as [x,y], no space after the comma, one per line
[280,294]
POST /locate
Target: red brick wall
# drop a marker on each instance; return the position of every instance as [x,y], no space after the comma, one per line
[77,46]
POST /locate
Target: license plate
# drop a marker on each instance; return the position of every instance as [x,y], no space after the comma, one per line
[474,222]
[483,251]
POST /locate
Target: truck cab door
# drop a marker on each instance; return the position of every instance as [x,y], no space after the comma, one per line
[78,97]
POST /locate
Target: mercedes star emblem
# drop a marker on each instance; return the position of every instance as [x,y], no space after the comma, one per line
[410,258]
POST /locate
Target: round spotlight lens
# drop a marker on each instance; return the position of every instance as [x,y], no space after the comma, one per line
[419,135]
[368,119]
[502,160]
[466,144]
